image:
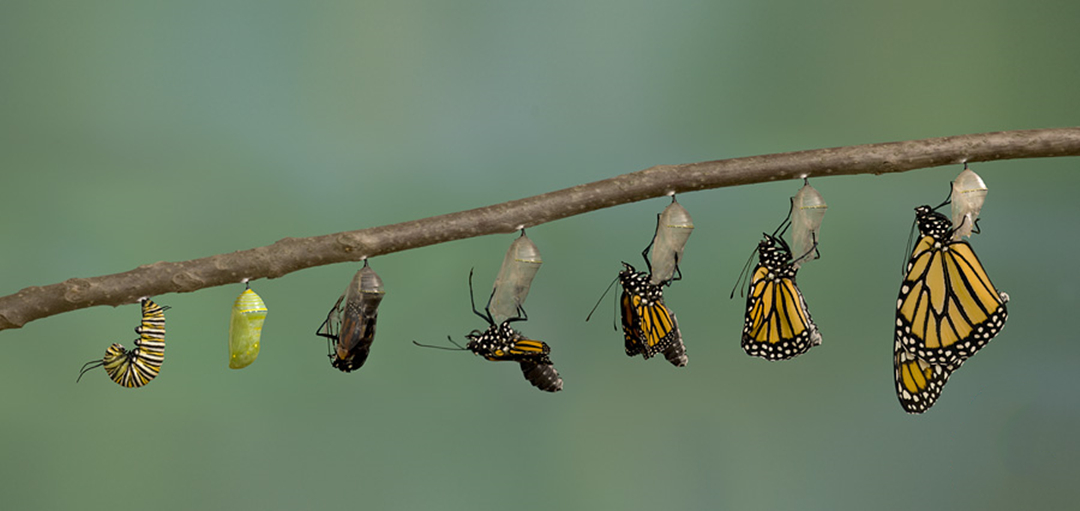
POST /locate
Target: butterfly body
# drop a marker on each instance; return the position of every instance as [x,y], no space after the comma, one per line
[947,309]
[778,325]
[503,343]
[649,327]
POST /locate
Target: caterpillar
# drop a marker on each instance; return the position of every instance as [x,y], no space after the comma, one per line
[142,364]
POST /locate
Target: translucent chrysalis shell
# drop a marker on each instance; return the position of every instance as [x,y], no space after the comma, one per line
[245,329]
[968,194]
[357,332]
[673,228]
[519,266]
[807,212]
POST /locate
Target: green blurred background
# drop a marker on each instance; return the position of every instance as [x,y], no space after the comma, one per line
[134,132]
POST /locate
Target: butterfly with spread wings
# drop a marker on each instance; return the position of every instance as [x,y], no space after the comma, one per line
[948,309]
[778,325]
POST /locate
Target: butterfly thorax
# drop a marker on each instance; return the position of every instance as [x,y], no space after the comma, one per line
[492,343]
[775,256]
[637,283]
[933,224]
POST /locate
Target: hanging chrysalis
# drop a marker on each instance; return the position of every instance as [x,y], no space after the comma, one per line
[673,228]
[968,194]
[350,325]
[500,342]
[245,328]
[807,211]
[519,266]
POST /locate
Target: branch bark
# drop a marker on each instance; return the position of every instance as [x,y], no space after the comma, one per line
[293,254]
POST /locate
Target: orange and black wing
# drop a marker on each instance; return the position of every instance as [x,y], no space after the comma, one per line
[648,326]
[918,382]
[948,309]
[778,325]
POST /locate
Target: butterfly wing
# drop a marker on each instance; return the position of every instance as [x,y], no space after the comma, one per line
[633,337]
[948,309]
[655,327]
[778,325]
[918,383]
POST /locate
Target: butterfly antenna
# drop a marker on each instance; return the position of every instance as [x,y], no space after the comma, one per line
[743,273]
[601,298]
[457,348]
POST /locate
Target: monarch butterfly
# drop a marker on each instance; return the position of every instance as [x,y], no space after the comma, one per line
[519,266]
[500,342]
[673,229]
[350,325]
[137,367]
[778,325]
[245,329]
[807,212]
[967,197]
[948,309]
[649,327]
[918,383]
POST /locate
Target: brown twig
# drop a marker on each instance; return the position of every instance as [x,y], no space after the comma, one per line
[292,254]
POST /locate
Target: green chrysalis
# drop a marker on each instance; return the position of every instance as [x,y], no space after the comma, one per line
[245,328]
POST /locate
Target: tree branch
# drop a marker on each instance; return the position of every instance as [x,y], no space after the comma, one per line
[293,254]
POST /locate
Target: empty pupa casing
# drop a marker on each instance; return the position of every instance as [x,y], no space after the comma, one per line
[967,197]
[519,266]
[807,212]
[672,230]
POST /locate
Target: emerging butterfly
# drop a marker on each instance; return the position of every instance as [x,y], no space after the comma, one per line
[649,327]
[349,327]
[778,325]
[499,342]
[948,309]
